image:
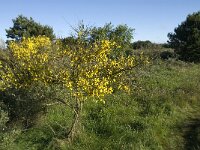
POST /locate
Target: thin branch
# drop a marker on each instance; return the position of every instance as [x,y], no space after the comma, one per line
[124,69]
[51,129]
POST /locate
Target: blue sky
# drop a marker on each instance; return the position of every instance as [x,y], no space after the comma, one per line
[152,19]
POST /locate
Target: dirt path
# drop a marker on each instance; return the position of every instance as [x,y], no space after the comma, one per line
[191,134]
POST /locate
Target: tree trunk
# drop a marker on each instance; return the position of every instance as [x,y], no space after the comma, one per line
[76,121]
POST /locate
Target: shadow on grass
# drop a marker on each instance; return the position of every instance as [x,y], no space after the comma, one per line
[191,134]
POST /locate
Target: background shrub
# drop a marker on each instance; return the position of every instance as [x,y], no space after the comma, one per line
[166,55]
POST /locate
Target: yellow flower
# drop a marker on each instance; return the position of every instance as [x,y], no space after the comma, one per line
[86,70]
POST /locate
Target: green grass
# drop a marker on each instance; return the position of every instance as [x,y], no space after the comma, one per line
[162,112]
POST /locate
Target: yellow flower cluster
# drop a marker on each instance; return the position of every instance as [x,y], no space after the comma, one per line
[85,69]
[29,48]
[27,62]
[92,70]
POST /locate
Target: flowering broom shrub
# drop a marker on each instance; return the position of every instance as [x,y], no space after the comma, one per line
[86,70]
[23,76]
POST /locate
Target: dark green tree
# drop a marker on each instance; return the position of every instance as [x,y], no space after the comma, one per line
[121,34]
[186,38]
[27,27]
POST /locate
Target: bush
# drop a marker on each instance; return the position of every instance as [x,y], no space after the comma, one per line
[24,104]
[3,119]
[145,45]
[166,55]
[186,38]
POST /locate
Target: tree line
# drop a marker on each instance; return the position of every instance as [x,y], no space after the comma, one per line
[185,39]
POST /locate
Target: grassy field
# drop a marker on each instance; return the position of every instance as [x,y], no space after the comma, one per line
[161,112]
